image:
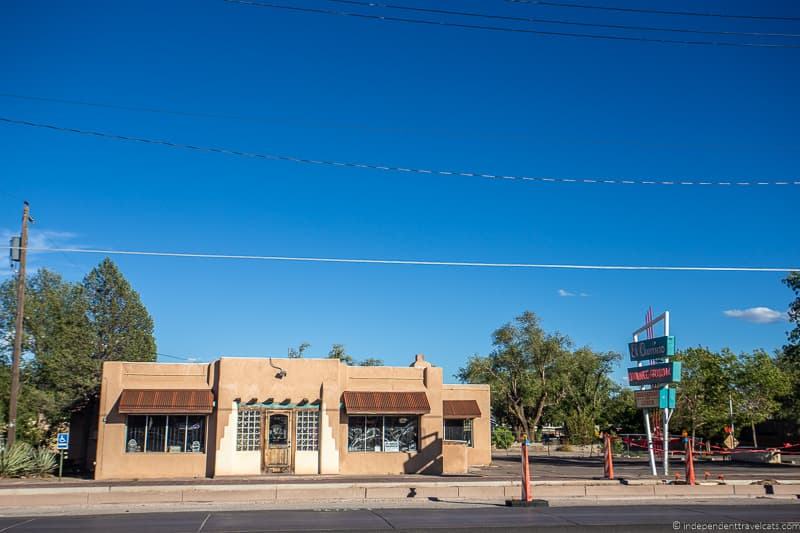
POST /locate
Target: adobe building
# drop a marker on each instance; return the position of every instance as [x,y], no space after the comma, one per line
[259,416]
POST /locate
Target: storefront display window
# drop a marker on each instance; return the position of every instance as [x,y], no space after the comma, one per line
[165,433]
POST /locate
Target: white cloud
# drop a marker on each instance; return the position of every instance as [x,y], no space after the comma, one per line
[757,315]
[37,238]
[564,293]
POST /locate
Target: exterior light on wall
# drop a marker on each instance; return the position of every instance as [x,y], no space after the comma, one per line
[281,372]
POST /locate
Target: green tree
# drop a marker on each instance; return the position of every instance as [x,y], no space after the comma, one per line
[57,372]
[338,352]
[61,341]
[702,397]
[789,359]
[587,389]
[620,413]
[524,370]
[123,329]
[759,382]
[371,361]
[297,353]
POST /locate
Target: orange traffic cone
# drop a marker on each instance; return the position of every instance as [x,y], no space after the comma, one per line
[689,462]
[608,463]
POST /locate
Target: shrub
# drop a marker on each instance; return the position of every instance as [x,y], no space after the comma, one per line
[17,460]
[502,438]
[617,446]
[565,448]
[44,461]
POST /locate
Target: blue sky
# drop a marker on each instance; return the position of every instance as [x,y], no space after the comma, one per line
[424,97]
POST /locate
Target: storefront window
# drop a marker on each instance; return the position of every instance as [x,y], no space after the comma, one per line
[136,431]
[401,433]
[248,430]
[162,433]
[382,433]
[156,433]
[458,430]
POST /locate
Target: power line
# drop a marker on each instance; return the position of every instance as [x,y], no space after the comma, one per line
[652,11]
[561,22]
[188,359]
[386,168]
[336,125]
[321,11]
[413,262]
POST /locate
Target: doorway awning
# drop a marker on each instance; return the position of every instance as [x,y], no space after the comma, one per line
[389,403]
[166,401]
[460,409]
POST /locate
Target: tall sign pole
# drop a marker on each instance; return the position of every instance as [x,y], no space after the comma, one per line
[14,393]
[654,379]
[667,413]
[650,451]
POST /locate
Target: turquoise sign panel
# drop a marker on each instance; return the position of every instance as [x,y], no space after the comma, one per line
[655,374]
[658,348]
[666,398]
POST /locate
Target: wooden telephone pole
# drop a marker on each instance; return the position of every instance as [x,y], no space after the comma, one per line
[12,404]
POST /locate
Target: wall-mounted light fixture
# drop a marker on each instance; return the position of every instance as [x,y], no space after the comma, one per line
[281,372]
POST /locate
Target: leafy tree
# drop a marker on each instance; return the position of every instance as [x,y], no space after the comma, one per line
[759,382]
[524,370]
[587,389]
[69,329]
[789,359]
[338,352]
[60,337]
[299,351]
[123,329]
[620,413]
[57,372]
[371,361]
[793,282]
[702,399]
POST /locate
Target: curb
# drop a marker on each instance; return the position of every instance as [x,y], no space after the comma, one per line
[589,491]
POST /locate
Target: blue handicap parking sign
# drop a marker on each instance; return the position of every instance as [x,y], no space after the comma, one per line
[63,441]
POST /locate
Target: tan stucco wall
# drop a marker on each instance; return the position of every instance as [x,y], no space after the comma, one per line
[242,380]
[112,460]
[456,458]
[228,461]
[481,451]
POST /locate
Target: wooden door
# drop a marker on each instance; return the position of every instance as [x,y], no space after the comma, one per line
[278,442]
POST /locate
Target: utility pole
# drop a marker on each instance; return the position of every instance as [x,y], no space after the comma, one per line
[12,404]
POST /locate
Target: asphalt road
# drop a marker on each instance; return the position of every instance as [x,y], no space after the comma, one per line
[657,517]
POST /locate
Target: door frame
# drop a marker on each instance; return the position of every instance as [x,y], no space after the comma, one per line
[289,414]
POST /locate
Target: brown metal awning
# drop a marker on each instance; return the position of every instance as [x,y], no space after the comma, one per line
[460,409]
[397,403]
[166,401]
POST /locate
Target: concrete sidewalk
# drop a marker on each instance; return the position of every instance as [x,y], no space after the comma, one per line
[16,497]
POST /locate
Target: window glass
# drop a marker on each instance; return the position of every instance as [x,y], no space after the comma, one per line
[401,433]
[458,430]
[248,430]
[195,434]
[373,434]
[156,433]
[161,433]
[355,434]
[176,436]
[134,441]
[308,430]
[278,430]
[468,431]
